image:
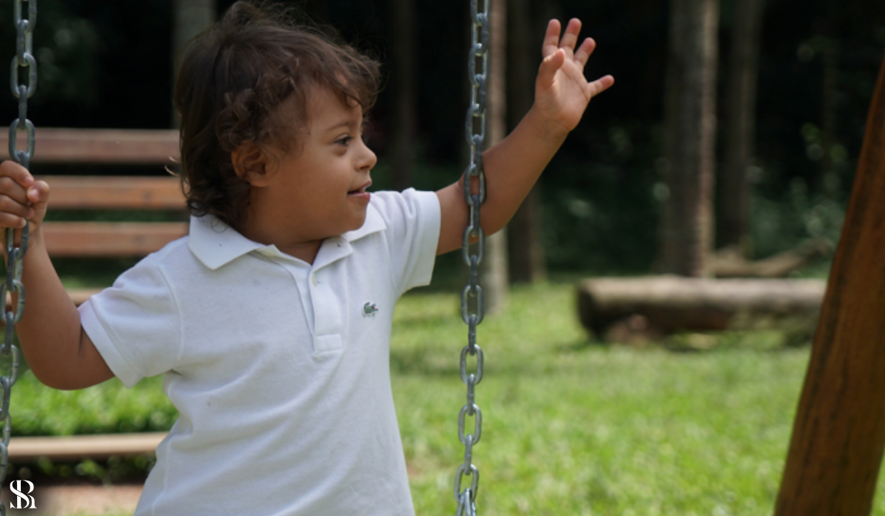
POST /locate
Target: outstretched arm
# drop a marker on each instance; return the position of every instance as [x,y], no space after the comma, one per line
[513,166]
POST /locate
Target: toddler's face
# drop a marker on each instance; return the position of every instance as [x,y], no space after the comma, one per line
[320,185]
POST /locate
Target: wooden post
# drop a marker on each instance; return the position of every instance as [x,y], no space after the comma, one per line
[839,433]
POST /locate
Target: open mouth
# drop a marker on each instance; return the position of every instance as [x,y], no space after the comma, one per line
[361,190]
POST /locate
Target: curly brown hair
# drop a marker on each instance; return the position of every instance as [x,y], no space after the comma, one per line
[234,76]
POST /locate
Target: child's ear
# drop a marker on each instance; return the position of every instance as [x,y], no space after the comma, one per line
[250,164]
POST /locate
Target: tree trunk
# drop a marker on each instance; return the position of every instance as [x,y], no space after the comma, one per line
[189,17]
[525,250]
[740,133]
[670,304]
[493,269]
[403,74]
[687,221]
[839,432]
[830,58]
[829,93]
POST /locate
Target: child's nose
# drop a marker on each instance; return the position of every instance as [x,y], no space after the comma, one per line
[368,159]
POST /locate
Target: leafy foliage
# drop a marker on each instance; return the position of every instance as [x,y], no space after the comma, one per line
[105,408]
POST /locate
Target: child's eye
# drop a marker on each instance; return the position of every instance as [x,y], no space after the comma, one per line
[344,141]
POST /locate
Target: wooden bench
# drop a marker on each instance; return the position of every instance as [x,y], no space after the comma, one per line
[108,146]
[81,447]
[101,146]
[103,239]
[111,239]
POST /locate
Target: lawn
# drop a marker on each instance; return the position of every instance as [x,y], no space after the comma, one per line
[569,426]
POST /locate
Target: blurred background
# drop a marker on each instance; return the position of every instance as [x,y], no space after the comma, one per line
[726,148]
[598,209]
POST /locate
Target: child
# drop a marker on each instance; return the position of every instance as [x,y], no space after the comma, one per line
[271,321]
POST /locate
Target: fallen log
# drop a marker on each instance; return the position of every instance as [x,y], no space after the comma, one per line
[670,304]
[728,262]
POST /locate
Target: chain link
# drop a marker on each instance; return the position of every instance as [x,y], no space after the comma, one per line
[472,299]
[24,58]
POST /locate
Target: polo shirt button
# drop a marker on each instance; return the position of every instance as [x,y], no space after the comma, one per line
[313,278]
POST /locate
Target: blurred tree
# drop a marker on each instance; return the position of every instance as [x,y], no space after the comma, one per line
[493,270]
[829,96]
[403,42]
[66,48]
[106,64]
[189,18]
[740,129]
[690,128]
[524,250]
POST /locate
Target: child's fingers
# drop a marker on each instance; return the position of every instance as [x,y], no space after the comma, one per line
[10,220]
[39,193]
[548,68]
[9,188]
[551,39]
[31,205]
[21,197]
[599,85]
[17,173]
[10,206]
[584,51]
[570,38]
[14,209]
[14,205]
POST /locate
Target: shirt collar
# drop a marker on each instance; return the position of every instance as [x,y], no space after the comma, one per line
[215,243]
[374,223]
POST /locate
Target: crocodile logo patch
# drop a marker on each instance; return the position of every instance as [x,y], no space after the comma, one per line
[369,309]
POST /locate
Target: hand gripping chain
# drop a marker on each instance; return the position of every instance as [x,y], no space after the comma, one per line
[472,301]
[24,58]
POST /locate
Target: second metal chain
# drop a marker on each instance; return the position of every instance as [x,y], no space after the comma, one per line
[472,300]
[24,58]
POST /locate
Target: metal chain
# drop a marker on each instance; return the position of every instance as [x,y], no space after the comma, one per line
[24,58]
[472,300]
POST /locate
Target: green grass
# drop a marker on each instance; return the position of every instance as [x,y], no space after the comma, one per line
[576,428]
[569,426]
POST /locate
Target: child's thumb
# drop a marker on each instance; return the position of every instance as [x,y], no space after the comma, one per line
[38,194]
[549,66]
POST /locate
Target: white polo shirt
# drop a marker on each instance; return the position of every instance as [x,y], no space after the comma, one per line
[279,369]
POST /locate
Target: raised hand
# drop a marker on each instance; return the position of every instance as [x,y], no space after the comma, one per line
[561,91]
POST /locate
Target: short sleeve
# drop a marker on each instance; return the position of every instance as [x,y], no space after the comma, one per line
[135,324]
[413,221]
